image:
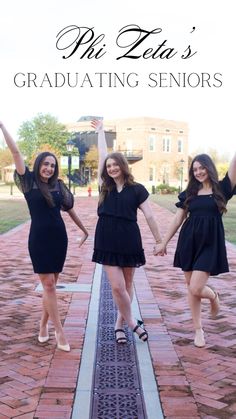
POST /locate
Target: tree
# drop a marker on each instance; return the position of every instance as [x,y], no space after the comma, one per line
[91,160]
[5,158]
[222,169]
[217,157]
[41,130]
[47,147]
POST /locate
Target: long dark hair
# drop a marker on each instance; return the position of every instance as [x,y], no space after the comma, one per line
[45,187]
[194,185]
[107,182]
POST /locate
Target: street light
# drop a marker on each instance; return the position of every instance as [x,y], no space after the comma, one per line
[69,147]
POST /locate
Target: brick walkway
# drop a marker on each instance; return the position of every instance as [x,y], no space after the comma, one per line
[39,381]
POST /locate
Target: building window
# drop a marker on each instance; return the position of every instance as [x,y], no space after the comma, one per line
[151,174]
[129,129]
[181,131]
[167,130]
[166,145]
[152,143]
[180,145]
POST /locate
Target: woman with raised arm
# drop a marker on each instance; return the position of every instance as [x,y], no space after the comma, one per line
[118,244]
[46,196]
[201,250]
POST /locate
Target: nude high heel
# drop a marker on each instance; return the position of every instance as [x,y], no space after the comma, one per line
[65,347]
[215,306]
[43,339]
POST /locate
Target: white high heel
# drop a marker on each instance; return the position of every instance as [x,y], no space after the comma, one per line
[43,339]
[65,347]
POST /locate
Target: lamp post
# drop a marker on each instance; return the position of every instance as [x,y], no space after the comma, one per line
[69,147]
[181,174]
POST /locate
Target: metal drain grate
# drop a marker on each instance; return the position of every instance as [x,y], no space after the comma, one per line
[116,392]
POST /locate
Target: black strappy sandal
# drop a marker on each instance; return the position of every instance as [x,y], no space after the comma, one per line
[121,339]
[142,335]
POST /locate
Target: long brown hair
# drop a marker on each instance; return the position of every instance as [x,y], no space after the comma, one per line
[194,185]
[107,182]
[45,187]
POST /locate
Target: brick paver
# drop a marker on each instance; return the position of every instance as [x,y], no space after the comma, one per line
[38,381]
[193,382]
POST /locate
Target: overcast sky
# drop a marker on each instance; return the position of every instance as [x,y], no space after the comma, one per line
[28,36]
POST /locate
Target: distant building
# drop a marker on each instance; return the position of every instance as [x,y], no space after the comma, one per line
[156,149]
[7,173]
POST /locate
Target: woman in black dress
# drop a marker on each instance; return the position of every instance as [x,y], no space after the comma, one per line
[201,250]
[118,244]
[46,196]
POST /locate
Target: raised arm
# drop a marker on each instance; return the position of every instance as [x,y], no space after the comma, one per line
[102,146]
[232,171]
[16,154]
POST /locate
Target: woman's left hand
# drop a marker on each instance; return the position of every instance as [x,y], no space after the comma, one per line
[160,249]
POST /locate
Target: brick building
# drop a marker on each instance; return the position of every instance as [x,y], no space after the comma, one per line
[156,149]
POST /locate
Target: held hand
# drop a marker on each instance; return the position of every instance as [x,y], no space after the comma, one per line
[160,249]
[82,239]
[97,124]
[1,124]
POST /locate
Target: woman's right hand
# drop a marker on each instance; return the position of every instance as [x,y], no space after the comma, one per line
[97,124]
[160,249]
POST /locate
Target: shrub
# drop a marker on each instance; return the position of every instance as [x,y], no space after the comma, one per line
[166,189]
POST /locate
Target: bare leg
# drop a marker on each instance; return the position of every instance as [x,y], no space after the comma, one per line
[45,316]
[128,276]
[119,292]
[50,305]
[197,289]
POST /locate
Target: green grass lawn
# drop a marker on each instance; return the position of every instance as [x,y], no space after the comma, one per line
[229,219]
[12,213]
[15,211]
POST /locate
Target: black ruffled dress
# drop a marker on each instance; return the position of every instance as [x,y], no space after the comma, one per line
[117,236]
[201,243]
[47,238]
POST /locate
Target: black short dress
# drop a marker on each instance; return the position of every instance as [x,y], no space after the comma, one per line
[47,238]
[201,243]
[117,236]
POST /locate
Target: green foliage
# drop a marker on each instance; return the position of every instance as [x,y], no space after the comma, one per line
[229,219]
[12,213]
[91,160]
[222,169]
[41,130]
[166,189]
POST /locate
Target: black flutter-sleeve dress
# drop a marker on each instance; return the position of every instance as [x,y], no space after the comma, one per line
[47,238]
[201,242]
[117,236]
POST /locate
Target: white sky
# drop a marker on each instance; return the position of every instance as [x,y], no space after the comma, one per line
[28,44]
